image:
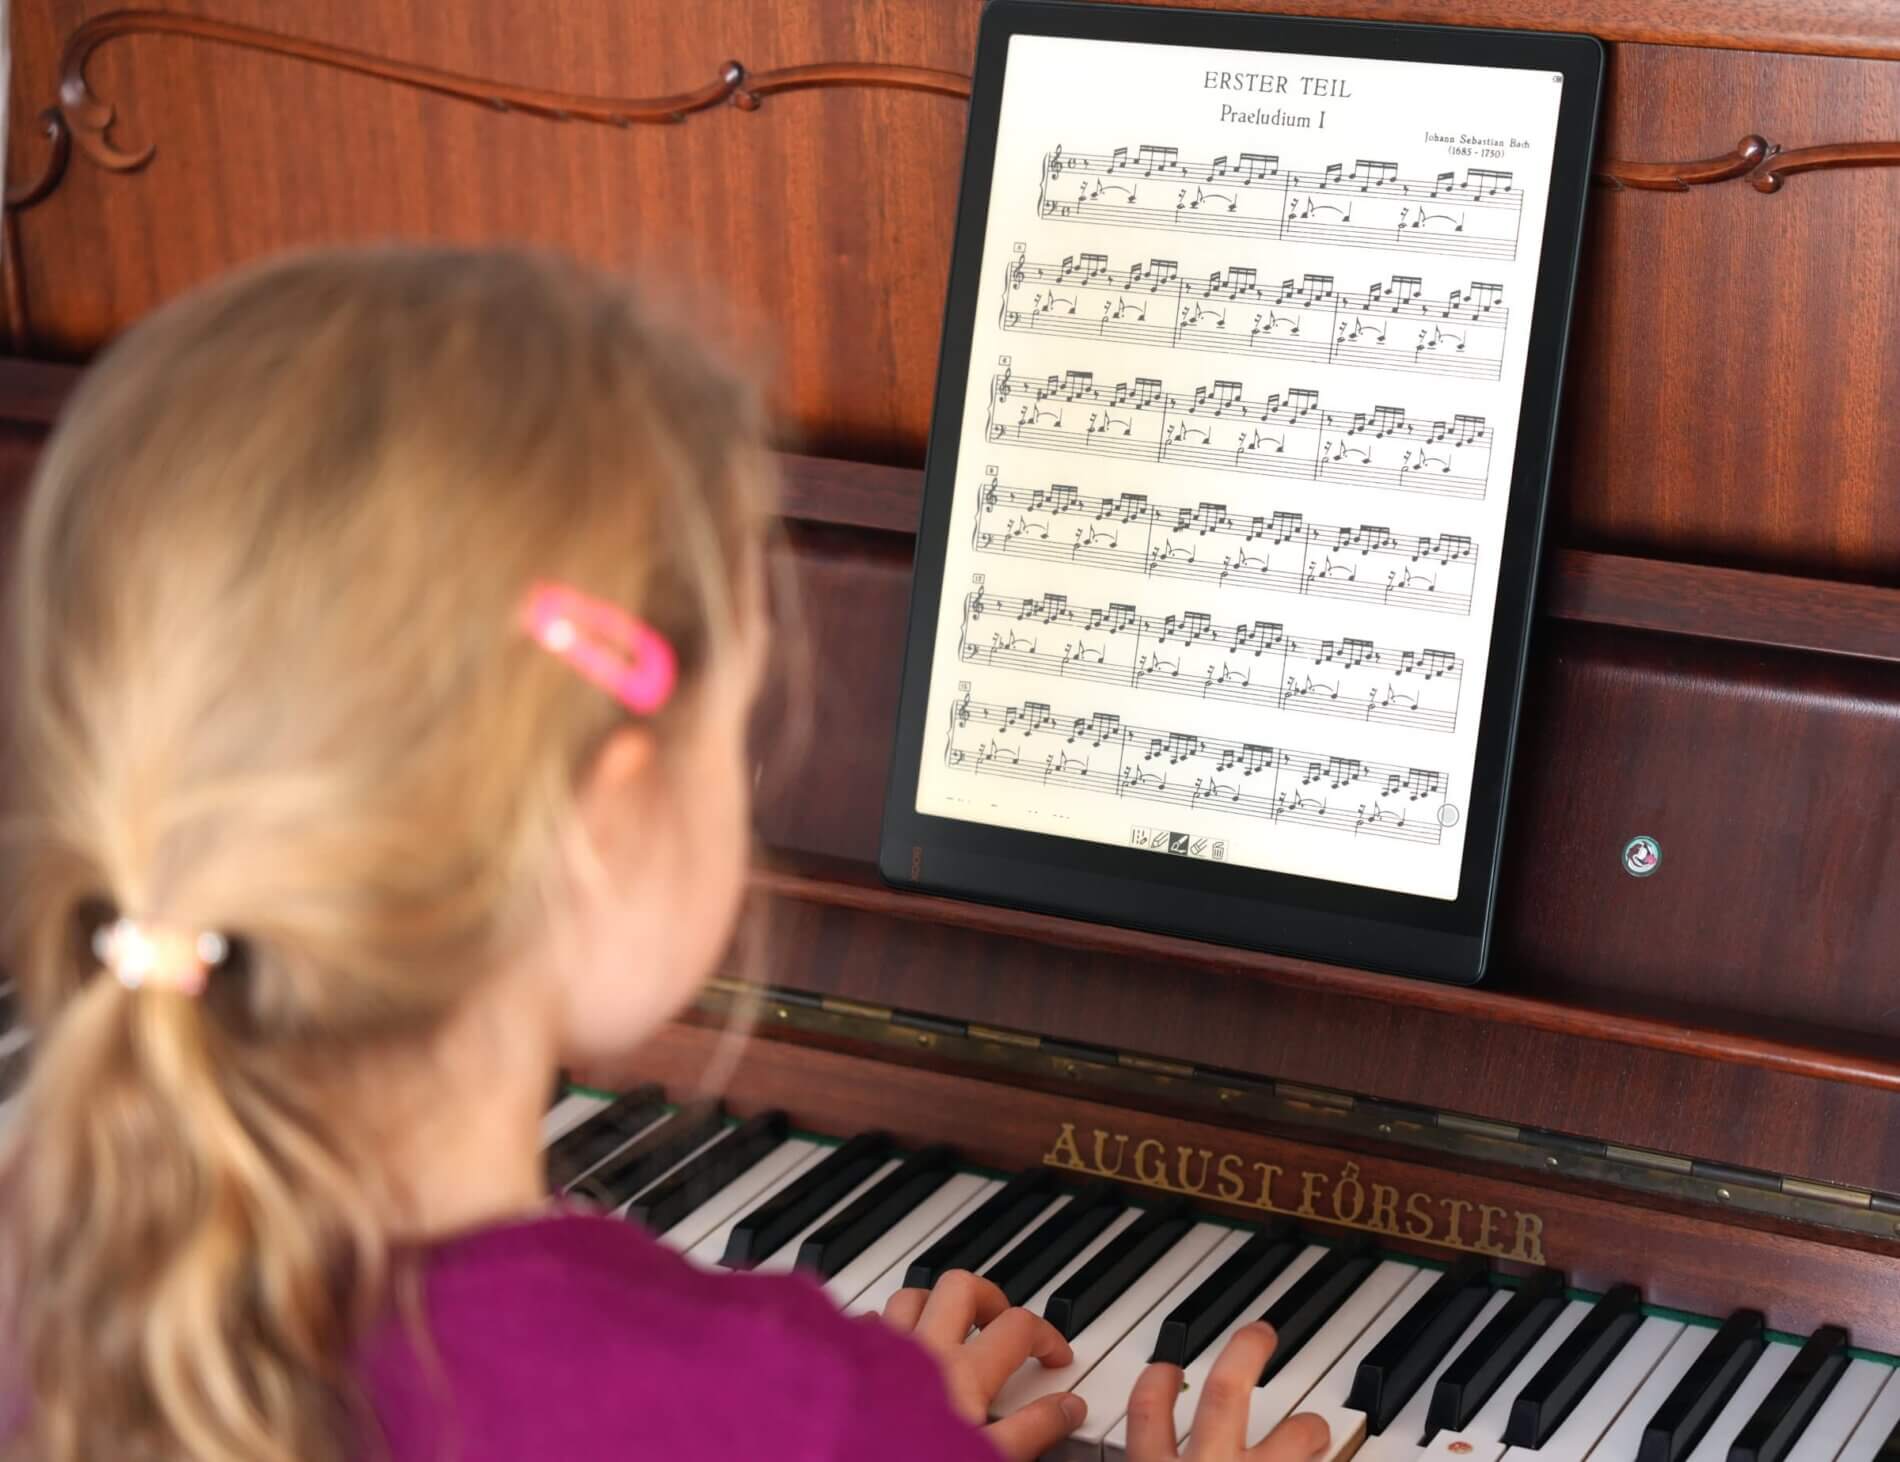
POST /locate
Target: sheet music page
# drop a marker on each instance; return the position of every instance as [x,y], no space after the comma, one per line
[1236,454]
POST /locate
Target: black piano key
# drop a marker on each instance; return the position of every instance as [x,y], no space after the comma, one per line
[871,1216]
[1219,1299]
[9,1006]
[1480,1368]
[1409,1352]
[1310,1303]
[650,1157]
[1083,1296]
[1068,1231]
[974,1241]
[1682,1419]
[802,1202]
[1789,1406]
[667,1202]
[1890,1449]
[583,1147]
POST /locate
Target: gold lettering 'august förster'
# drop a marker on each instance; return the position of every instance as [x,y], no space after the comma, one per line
[1342,1197]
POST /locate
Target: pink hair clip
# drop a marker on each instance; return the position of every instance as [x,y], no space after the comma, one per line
[156,956]
[624,656]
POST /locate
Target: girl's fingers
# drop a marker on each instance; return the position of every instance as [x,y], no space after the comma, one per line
[1151,1414]
[958,1301]
[1220,1420]
[1297,1439]
[1006,1342]
[1025,1435]
[903,1309]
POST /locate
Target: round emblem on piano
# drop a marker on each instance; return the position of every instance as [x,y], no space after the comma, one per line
[1642,856]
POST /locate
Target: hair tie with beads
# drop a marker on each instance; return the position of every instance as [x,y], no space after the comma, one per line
[144,955]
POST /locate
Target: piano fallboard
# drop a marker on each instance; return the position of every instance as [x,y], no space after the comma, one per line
[1705,1261]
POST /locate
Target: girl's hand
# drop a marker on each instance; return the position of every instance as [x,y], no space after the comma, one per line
[976,1366]
[1220,1419]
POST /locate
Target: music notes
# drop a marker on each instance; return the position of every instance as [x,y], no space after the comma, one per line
[1239,414]
[1095,751]
[1285,434]
[1471,213]
[1389,324]
[1254,662]
[1210,543]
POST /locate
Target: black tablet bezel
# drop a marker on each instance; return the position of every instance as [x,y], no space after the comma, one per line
[1249,908]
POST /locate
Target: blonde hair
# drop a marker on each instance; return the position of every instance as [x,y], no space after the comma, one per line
[266,681]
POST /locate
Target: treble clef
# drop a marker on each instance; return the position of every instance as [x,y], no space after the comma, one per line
[1055,161]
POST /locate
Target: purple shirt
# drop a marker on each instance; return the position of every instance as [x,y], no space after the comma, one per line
[580,1337]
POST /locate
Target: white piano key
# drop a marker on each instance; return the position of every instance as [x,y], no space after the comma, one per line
[720,1212]
[1105,1388]
[1483,1439]
[782,1261]
[1876,1426]
[1846,1404]
[1753,1390]
[1289,1391]
[1402,1440]
[1107,1329]
[1327,1399]
[567,1114]
[1624,1439]
[1022,1384]
[872,1299]
[1597,1410]
[1196,1372]
[907,1236]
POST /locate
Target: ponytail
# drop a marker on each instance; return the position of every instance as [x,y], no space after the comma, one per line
[203,1259]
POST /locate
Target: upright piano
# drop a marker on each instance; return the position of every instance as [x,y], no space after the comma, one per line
[1635,1196]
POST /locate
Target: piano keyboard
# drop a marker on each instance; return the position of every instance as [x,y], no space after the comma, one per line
[1406,1362]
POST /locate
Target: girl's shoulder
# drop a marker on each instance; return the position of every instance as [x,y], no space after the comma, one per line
[580,1336]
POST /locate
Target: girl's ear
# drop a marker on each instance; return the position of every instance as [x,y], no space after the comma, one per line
[617,780]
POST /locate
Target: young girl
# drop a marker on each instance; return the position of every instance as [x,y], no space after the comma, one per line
[385,625]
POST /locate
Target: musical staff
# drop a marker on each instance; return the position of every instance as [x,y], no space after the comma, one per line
[1248,663]
[1211,543]
[1031,741]
[1389,325]
[1215,426]
[1249,195]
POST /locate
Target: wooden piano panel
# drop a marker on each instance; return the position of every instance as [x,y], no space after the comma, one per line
[1736,353]
[1242,1018]
[1765,776]
[1769,780]
[825,217]
[1732,346]
[1772,915]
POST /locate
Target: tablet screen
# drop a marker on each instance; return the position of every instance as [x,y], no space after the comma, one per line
[1248,341]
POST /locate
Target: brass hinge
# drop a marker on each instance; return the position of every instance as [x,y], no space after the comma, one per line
[1235,1099]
